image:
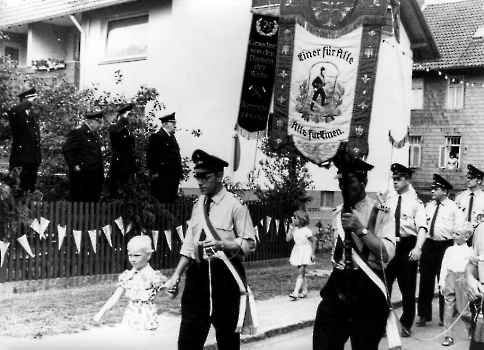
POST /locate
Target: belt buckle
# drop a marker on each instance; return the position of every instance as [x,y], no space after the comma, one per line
[397,239]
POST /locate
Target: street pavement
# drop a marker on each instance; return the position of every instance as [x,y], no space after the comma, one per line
[276,316]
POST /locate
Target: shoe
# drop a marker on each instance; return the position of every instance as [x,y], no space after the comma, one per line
[302,295]
[448,341]
[470,333]
[422,321]
[293,298]
[406,332]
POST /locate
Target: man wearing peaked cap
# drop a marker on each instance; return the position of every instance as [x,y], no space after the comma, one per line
[410,231]
[123,164]
[341,314]
[25,153]
[164,161]
[82,152]
[220,234]
[443,220]
[471,201]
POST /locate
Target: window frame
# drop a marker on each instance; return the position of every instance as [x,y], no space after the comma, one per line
[412,148]
[454,98]
[327,199]
[418,86]
[127,58]
[444,152]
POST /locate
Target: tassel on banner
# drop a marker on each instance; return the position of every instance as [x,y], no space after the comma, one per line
[168,238]
[479,330]
[394,341]
[44,223]
[107,232]
[61,231]
[401,143]
[3,251]
[93,236]
[119,223]
[154,233]
[77,239]
[179,230]
[35,225]
[25,244]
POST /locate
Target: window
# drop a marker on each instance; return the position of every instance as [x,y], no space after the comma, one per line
[414,151]
[450,153]
[12,52]
[455,93]
[327,199]
[417,93]
[126,38]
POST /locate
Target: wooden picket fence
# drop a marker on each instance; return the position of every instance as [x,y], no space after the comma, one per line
[51,261]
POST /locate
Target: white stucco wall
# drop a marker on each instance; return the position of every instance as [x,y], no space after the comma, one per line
[196,59]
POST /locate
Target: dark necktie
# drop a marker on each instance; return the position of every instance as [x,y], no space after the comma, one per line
[203,235]
[469,212]
[432,223]
[397,217]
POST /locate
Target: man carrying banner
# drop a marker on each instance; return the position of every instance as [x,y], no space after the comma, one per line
[354,301]
[220,233]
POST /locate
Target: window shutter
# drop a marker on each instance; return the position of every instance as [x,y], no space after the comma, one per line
[442,157]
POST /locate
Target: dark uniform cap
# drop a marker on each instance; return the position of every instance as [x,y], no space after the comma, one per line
[354,166]
[168,118]
[439,181]
[474,172]
[206,163]
[28,92]
[124,108]
[94,115]
[400,170]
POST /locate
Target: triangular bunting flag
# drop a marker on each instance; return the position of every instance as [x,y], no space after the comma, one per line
[93,236]
[277,226]
[269,219]
[119,222]
[43,226]
[25,244]
[61,231]
[262,222]
[168,238]
[130,225]
[179,230]
[35,225]
[143,232]
[257,232]
[154,233]
[107,232]
[3,251]
[77,239]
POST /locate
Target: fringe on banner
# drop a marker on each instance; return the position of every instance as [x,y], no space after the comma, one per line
[250,135]
[247,314]
[401,143]
[394,341]
[479,331]
[335,33]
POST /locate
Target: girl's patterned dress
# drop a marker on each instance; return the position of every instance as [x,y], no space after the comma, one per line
[141,287]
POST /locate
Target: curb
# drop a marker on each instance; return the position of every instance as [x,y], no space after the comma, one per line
[287,329]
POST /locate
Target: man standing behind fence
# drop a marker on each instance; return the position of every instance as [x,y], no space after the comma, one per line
[82,151]
[219,235]
[164,161]
[25,153]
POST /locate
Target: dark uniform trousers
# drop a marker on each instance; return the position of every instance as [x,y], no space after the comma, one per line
[28,175]
[475,307]
[86,185]
[195,302]
[430,265]
[405,272]
[363,320]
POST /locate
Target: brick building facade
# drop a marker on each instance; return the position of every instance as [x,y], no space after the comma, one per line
[447,128]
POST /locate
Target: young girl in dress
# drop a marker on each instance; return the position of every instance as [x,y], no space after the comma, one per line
[141,284]
[304,251]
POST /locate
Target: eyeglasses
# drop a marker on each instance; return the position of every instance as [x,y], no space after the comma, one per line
[203,177]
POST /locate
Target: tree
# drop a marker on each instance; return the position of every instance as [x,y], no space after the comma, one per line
[289,179]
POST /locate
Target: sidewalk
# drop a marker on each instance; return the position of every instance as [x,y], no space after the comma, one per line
[276,316]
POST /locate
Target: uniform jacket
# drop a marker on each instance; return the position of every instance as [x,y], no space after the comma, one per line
[229,217]
[122,144]
[449,219]
[25,134]
[82,148]
[163,155]
[412,213]
[462,201]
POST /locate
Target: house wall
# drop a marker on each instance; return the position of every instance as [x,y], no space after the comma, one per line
[196,60]
[47,41]
[434,122]
[17,41]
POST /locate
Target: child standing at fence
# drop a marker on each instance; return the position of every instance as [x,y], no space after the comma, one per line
[452,284]
[304,251]
[141,284]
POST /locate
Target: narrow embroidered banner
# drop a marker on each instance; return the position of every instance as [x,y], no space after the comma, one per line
[258,80]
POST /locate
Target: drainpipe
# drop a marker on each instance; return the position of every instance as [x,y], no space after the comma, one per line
[82,60]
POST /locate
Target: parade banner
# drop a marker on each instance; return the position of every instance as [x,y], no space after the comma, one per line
[258,80]
[325,74]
